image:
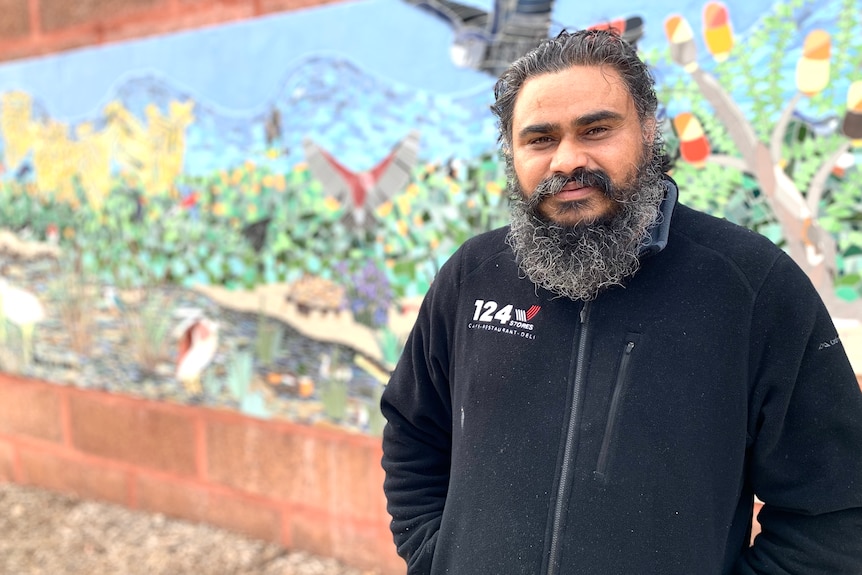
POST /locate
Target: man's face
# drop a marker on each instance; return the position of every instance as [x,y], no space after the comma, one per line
[579,123]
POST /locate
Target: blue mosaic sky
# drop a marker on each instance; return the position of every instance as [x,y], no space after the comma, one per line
[239,66]
[355,76]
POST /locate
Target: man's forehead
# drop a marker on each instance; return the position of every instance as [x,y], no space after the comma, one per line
[607,71]
[577,89]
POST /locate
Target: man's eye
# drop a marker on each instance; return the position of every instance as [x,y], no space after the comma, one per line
[540,140]
[596,131]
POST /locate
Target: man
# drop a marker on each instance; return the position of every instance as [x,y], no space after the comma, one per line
[603,386]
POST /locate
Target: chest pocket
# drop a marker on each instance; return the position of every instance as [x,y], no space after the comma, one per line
[621,384]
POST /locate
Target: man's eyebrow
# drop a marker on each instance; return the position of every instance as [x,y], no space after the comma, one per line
[600,116]
[585,120]
[545,128]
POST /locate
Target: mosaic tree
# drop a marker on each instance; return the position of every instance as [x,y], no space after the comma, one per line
[795,200]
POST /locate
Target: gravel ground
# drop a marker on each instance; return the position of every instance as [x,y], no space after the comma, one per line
[45,533]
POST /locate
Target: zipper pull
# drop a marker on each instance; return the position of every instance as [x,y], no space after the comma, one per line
[584,312]
[629,347]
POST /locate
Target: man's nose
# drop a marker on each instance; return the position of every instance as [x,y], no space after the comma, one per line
[568,156]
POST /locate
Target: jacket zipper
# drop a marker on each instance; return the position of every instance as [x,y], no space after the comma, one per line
[568,450]
[612,412]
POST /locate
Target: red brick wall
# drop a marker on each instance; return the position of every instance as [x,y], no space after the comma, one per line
[311,488]
[37,27]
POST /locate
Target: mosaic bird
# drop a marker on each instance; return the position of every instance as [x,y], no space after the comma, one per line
[693,143]
[851,126]
[52,234]
[363,192]
[198,342]
[22,308]
[630,28]
[845,162]
[490,41]
[812,67]
[717,30]
[805,124]
[111,300]
[255,233]
[272,127]
[683,49]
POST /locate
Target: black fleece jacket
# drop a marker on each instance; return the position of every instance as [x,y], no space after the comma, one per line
[531,434]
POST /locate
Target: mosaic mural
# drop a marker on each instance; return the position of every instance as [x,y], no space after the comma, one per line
[208,231]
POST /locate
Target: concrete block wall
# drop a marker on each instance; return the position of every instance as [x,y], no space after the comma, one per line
[312,488]
[36,27]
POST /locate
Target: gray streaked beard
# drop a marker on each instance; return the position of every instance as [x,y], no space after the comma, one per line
[580,261]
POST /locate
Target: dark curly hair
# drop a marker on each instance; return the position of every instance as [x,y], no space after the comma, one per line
[580,48]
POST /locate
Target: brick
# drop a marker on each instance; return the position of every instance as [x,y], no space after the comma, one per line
[48,44]
[355,544]
[250,458]
[148,24]
[59,14]
[195,503]
[354,486]
[100,21]
[324,473]
[359,545]
[30,409]
[140,433]
[315,535]
[15,51]
[15,21]
[336,477]
[288,5]
[7,462]
[375,487]
[68,475]
[215,4]
[207,11]
[389,562]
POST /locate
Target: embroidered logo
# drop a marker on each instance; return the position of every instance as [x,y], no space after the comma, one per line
[531,313]
[490,315]
[829,343]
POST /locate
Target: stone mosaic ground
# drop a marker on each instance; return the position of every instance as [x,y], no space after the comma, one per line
[95,339]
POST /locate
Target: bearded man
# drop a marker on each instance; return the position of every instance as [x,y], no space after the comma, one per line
[604,386]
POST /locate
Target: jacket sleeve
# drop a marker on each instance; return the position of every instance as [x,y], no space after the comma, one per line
[417,438]
[805,435]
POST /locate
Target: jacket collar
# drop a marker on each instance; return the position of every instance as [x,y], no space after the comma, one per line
[661,229]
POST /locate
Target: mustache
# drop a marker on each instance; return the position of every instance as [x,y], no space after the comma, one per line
[553,185]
